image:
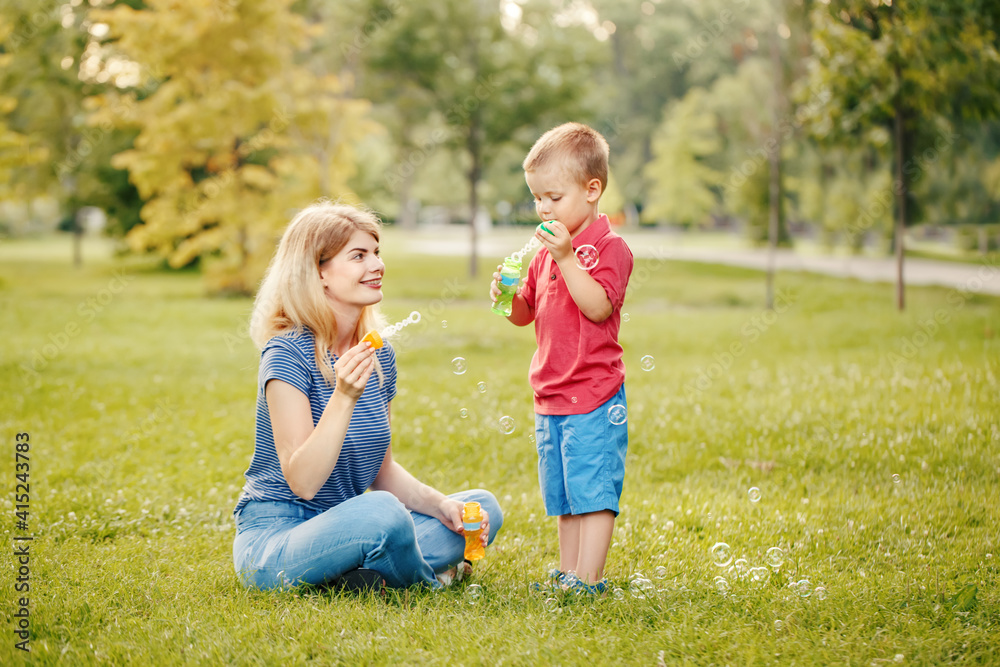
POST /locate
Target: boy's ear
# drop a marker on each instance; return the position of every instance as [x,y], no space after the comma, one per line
[594,190]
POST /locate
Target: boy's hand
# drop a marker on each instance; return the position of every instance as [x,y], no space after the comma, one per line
[558,243]
[494,288]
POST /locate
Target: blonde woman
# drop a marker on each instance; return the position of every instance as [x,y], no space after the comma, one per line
[323,428]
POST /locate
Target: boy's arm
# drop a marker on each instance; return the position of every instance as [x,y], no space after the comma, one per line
[587,293]
[521,312]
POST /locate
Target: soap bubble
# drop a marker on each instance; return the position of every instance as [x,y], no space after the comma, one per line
[618,594]
[820,593]
[778,625]
[760,575]
[647,363]
[482,387]
[460,365]
[463,413]
[742,567]
[896,479]
[660,573]
[721,554]
[754,494]
[625,317]
[413,318]
[444,324]
[587,257]
[551,605]
[803,588]
[775,557]
[721,584]
[507,425]
[473,593]
[641,588]
[531,438]
[617,415]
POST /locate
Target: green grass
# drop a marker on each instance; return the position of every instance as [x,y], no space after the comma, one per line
[137,393]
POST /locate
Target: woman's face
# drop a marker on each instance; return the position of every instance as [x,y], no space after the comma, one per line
[353,277]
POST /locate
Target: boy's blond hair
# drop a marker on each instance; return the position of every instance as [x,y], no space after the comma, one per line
[582,151]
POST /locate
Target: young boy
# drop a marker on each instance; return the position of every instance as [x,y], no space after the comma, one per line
[577,373]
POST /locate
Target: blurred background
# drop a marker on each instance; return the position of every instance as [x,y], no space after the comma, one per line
[194,129]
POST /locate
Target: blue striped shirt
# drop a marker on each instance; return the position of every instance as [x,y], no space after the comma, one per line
[290,358]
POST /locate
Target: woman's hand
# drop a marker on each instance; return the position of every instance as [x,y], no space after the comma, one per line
[353,370]
[451,509]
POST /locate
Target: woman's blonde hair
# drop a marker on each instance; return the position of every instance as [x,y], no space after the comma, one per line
[291,296]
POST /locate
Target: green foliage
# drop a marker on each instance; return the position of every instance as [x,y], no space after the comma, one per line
[683,182]
[141,423]
[235,126]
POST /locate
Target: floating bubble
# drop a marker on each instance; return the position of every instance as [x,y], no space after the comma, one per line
[464,413]
[413,318]
[390,331]
[641,588]
[775,557]
[803,588]
[473,593]
[444,324]
[459,365]
[507,425]
[721,584]
[587,257]
[896,479]
[660,573]
[722,555]
[778,625]
[618,594]
[647,363]
[625,317]
[617,415]
[481,387]
[742,568]
[531,438]
[754,494]
[820,593]
[551,605]
[760,575]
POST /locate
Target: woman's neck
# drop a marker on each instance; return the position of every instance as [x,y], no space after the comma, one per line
[347,324]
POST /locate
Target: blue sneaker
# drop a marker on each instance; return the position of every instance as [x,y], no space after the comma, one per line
[593,590]
[555,580]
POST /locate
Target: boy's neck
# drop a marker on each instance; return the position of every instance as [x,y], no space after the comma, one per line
[591,219]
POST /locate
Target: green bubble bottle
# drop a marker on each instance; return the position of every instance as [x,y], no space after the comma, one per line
[510,277]
[472,521]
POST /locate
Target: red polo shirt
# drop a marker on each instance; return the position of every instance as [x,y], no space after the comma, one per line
[578,365]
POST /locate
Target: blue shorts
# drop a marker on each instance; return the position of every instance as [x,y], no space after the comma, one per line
[581,459]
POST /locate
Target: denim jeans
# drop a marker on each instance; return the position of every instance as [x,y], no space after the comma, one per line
[286,543]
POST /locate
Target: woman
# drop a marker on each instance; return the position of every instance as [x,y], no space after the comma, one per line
[323,431]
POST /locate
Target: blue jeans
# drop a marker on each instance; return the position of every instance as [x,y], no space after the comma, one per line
[282,543]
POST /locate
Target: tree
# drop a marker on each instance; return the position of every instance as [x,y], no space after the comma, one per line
[904,66]
[684,184]
[485,80]
[236,132]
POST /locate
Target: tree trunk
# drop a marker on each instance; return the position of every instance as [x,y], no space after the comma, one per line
[901,192]
[774,161]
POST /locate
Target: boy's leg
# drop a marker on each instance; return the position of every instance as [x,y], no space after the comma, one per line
[595,531]
[569,542]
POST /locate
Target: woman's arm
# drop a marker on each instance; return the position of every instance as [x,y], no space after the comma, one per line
[308,455]
[421,498]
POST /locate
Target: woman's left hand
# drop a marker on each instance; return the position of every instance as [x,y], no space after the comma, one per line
[452,509]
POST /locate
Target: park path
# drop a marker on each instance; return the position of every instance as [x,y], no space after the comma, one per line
[977,278]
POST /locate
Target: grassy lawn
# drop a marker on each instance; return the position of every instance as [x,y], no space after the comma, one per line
[873,437]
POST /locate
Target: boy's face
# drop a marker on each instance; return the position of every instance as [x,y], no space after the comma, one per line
[560,196]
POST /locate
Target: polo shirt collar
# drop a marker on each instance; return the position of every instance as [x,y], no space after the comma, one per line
[597,229]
